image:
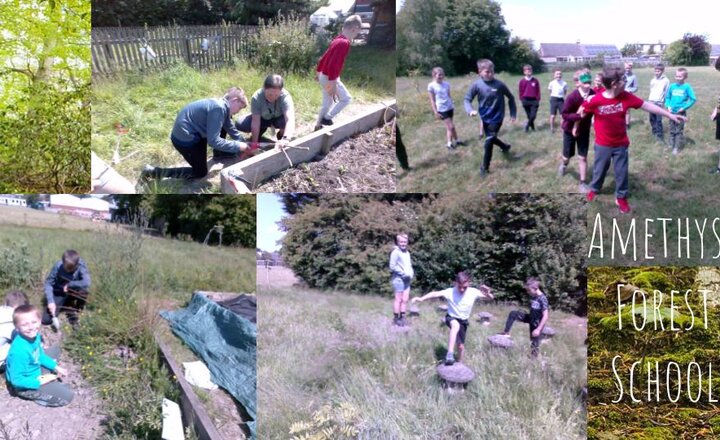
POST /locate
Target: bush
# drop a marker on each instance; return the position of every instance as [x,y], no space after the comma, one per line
[17,269]
[284,45]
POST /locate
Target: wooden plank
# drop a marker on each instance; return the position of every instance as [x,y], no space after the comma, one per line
[192,409]
[254,171]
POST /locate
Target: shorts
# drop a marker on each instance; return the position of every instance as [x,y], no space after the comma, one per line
[447,114]
[400,284]
[582,141]
[463,327]
[556,105]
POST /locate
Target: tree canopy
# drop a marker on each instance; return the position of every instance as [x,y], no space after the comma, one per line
[691,50]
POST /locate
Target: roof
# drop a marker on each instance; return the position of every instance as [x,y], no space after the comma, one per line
[577,49]
[76,202]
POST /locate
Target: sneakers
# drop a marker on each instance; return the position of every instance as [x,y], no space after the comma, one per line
[483,173]
[584,188]
[675,151]
[450,358]
[622,205]
[396,321]
[590,195]
[450,147]
[715,171]
[561,169]
[148,172]
[326,121]
[460,144]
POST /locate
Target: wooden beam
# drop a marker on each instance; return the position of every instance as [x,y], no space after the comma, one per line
[192,409]
[254,171]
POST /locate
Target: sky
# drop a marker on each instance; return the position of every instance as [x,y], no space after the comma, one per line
[269,212]
[610,21]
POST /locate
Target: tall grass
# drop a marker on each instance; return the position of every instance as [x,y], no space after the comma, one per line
[318,350]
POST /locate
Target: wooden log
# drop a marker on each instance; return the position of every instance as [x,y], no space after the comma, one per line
[500,341]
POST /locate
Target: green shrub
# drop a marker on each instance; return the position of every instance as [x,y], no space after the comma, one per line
[17,269]
[284,45]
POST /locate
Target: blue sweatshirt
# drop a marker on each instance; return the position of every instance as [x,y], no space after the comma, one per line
[491,102]
[204,119]
[58,277]
[24,361]
[679,97]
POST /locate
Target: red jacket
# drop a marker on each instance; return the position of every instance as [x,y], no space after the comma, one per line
[331,63]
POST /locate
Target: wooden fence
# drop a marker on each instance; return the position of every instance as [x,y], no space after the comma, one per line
[140,48]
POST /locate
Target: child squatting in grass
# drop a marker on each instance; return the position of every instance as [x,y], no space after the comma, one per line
[460,300]
[442,106]
[68,281]
[536,318]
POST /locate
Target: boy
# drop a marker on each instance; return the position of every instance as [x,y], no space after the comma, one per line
[491,108]
[460,300]
[658,91]
[442,105]
[67,282]
[630,86]
[402,273]
[715,116]
[558,89]
[335,95]
[13,300]
[536,318]
[611,140]
[576,130]
[680,97]
[25,358]
[529,93]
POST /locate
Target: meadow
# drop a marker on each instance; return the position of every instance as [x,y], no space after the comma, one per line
[133,277]
[146,104]
[330,361]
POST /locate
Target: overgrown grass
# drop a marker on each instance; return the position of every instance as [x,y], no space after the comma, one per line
[147,104]
[336,354]
[656,177]
[133,278]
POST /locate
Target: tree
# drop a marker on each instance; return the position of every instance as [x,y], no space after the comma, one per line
[691,50]
[630,50]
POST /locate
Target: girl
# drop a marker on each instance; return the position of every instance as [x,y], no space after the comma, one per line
[442,105]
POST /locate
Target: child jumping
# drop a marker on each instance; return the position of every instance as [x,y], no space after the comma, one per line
[680,97]
[536,318]
[529,94]
[558,89]
[68,281]
[460,300]
[658,91]
[329,68]
[442,105]
[491,95]
[13,300]
[576,130]
[25,359]
[402,273]
[611,139]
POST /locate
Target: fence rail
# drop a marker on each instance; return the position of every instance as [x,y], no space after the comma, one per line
[147,48]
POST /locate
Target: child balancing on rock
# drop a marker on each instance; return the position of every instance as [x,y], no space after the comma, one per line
[460,300]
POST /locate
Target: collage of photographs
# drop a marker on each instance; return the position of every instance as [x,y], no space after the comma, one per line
[211,227]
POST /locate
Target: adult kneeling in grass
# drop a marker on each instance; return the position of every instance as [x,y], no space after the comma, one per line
[198,124]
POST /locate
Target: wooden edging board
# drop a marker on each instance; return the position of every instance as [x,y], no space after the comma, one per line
[243,177]
[193,410]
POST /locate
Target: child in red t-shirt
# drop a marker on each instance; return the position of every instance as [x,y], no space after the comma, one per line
[611,140]
[335,95]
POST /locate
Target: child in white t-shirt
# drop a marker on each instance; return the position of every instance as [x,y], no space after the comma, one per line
[558,89]
[442,105]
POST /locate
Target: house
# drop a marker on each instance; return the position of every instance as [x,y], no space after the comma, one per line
[577,53]
[13,200]
[88,207]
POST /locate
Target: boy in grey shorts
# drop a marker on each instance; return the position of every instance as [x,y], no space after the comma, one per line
[402,273]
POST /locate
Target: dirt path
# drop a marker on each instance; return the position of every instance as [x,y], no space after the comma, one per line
[80,420]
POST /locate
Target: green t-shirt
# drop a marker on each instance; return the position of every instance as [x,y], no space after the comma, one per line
[259,105]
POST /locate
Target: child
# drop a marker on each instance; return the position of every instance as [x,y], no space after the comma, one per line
[537,317]
[611,140]
[680,97]
[658,90]
[460,300]
[529,93]
[558,89]
[598,83]
[491,108]
[25,358]
[335,95]
[402,274]
[442,105]
[715,116]
[13,300]
[630,86]
[69,278]
[576,130]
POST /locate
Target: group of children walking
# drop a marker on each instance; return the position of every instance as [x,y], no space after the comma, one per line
[32,371]
[606,105]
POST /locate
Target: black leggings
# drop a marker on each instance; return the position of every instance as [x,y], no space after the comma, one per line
[491,131]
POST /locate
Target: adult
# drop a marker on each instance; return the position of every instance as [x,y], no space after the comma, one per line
[271,106]
[203,122]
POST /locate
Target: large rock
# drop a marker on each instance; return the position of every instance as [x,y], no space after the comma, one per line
[455,374]
[413,310]
[547,332]
[500,341]
[485,317]
[442,308]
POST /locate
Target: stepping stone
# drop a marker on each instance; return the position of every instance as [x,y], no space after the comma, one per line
[500,341]
[547,332]
[485,317]
[455,377]
[442,308]
[399,329]
[414,310]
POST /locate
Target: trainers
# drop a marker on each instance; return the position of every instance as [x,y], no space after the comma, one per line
[147,172]
[460,144]
[590,195]
[449,359]
[326,121]
[483,172]
[451,147]
[396,320]
[715,171]
[561,169]
[623,205]
[675,151]
[584,188]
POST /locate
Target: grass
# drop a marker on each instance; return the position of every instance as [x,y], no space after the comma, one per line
[385,383]
[134,277]
[656,177]
[147,104]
